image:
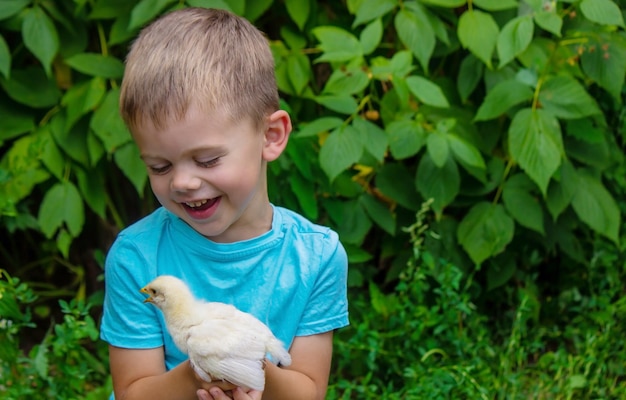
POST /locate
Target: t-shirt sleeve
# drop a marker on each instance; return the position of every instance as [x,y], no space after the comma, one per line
[327,308]
[127,321]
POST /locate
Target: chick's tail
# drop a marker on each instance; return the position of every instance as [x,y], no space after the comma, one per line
[277,352]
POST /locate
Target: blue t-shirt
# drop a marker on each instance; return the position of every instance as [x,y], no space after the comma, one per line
[293,278]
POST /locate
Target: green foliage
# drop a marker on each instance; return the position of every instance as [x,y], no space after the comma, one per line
[507,114]
[68,363]
[430,338]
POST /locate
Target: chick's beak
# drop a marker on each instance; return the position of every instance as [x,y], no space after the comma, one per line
[149,299]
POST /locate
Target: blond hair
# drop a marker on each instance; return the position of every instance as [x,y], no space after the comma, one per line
[210,58]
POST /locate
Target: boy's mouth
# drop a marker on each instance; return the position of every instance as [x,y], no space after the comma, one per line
[200,205]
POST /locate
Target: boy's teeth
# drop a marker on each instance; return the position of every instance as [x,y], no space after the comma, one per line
[196,203]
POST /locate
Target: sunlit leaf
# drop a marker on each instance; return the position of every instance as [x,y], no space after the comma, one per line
[416,33]
[514,38]
[62,205]
[535,142]
[97,65]
[40,36]
[372,9]
[299,11]
[427,91]
[478,32]
[342,149]
[604,12]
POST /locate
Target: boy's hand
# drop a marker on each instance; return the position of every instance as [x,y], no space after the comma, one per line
[215,393]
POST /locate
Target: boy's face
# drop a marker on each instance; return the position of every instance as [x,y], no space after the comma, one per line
[211,173]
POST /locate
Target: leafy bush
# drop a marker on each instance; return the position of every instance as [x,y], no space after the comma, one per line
[508,114]
[68,363]
[428,339]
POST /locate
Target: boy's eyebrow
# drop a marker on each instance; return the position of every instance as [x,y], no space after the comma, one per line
[209,149]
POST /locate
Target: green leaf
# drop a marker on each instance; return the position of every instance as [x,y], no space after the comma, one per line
[522,204]
[496,5]
[446,3]
[379,213]
[465,152]
[97,65]
[341,150]
[416,33]
[603,12]
[514,39]
[387,180]
[406,138]
[550,21]
[14,122]
[5,58]
[71,139]
[337,44]
[351,221]
[110,9]
[502,97]
[564,97]
[61,205]
[51,155]
[485,231]
[478,32]
[107,123]
[535,142]
[371,36]
[437,146]
[92,186]
[9,8]
[305,193]
[299,11]
[145,11]
[256,8]
[561,191]
[318,126]
[346,82]
[440,184]
[595,206]
[128,160]
[427,92]
[369,10]
[374,138]
[40,36]
[31,87]
[298,71]
[343,104]
[82,98]
[470,74]
[606,65]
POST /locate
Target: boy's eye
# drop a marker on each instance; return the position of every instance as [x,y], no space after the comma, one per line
[208,163]
[159,169]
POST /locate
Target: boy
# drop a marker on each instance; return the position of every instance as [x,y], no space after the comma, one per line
[200,99]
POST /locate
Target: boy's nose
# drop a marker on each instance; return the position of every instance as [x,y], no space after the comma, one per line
[183,181]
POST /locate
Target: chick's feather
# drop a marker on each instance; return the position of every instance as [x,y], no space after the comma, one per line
[221,341]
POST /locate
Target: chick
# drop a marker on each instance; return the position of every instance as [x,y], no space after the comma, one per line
[222,342]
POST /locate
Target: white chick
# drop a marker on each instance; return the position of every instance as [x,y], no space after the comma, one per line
[222,342]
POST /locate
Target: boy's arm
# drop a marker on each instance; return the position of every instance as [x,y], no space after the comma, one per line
[141,374]
[307,376]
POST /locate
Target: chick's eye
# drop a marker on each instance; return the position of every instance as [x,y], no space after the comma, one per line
[152,291]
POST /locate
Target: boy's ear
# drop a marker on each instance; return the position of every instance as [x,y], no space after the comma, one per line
[276,135]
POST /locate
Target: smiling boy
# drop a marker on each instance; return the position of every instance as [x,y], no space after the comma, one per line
[200,98]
